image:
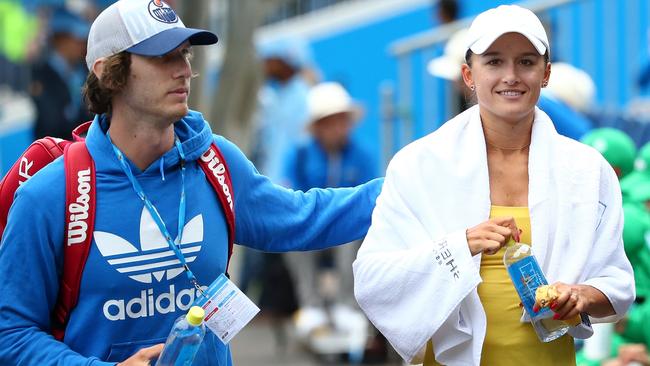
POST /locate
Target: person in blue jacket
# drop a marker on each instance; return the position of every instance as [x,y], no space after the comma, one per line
[145,143]
[56,81]
[330,158]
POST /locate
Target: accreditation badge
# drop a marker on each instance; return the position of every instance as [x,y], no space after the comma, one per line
[227,308]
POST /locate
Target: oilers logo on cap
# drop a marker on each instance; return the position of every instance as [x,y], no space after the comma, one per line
[141,27]
[162,12]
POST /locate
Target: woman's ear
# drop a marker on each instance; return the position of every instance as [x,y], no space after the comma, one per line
[547,74]
[466,73]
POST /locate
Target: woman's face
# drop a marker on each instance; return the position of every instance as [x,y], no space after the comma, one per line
[507,78]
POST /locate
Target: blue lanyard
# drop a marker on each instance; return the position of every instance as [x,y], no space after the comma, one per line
[175,246]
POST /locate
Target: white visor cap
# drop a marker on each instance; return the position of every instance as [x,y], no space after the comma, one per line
[493,23]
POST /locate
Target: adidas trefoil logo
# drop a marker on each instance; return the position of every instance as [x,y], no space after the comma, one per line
[155,259]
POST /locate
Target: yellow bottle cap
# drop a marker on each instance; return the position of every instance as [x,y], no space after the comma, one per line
[195,315]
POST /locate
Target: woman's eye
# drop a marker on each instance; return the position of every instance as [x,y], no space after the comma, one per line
[494,62]
[527,62]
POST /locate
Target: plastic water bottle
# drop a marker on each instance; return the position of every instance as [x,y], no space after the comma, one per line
[527,276]
[184,339]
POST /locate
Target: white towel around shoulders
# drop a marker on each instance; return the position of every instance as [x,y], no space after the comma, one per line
[414,275]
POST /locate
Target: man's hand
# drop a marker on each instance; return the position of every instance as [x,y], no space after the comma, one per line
[144,356]
[489,236]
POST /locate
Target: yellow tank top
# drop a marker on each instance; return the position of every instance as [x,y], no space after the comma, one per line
[508,342]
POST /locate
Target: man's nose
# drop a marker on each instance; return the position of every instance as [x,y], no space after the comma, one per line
[185,69]
[182,67]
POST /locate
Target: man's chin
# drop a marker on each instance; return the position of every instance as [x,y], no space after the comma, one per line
[180,112]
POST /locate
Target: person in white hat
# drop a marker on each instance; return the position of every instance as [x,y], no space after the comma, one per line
[430,274]
[330,158]
[331,115]
[161,234]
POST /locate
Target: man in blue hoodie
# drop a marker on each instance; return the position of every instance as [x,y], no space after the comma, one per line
[149,188]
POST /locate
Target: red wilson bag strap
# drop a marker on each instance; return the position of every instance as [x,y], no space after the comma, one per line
[215,169]
[79,224]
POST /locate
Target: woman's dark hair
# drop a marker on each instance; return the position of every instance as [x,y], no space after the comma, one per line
[99,93]
[469,53]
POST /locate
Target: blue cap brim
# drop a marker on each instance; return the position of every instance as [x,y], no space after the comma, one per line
[168,40]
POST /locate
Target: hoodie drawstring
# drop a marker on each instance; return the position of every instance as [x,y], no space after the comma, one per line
[162,167]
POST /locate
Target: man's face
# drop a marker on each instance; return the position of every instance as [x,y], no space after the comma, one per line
[159,86]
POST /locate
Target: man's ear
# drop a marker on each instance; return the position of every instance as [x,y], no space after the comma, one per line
[98,68]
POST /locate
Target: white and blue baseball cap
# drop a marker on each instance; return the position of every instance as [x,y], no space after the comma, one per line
[141,27]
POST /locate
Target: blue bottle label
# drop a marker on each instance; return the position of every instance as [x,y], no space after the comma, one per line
[527,277]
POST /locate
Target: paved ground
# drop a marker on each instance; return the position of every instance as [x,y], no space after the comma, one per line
[256,345]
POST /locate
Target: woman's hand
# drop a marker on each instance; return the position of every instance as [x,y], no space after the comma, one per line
[576,299]
[144,356]
[570,302]
[489,236]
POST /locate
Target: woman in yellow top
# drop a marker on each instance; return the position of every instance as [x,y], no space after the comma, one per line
[430,272]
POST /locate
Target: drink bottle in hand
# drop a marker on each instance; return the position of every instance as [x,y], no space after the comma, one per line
[527,276]
[184,339]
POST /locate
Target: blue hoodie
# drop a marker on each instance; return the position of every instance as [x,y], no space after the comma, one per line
[132,288]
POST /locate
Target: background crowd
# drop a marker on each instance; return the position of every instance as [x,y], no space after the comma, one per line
[312,125]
